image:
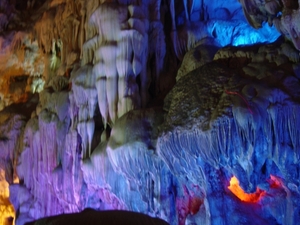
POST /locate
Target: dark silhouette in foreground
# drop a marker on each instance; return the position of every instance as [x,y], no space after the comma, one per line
[90,216]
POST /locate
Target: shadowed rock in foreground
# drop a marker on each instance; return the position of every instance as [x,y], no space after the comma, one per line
[90,216]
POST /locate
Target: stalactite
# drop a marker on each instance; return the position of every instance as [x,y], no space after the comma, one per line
[82,31]
[114,66]
[86,100]
[191,6]
[186,10]
[81,128]
[173,14]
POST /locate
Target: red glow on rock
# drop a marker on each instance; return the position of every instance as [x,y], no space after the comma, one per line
[194,205]
[275,182]
[235,188]
[236,93]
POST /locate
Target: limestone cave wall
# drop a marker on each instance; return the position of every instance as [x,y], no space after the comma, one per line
[183,110]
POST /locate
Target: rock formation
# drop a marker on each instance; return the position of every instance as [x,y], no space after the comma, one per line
[176,109]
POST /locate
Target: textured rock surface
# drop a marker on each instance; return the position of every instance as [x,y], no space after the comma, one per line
[91,116]
[223,121]
[283,14]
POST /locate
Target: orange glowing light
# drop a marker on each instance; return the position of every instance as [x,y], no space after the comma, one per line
[235,188]
[7,211]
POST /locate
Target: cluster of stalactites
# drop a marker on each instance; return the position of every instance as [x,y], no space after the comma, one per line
[183,37]
[119,53]
[83,101]
[64,23]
